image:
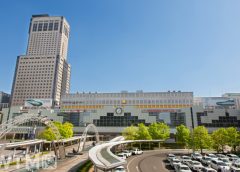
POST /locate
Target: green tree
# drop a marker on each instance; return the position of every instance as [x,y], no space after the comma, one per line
[142,132]
[159,131]
[130,133]
[219,138]
[47,134]
[183,135]
[65,130]
[232,135]
[68,127]
[201,138]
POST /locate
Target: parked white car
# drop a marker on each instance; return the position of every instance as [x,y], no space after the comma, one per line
[184,159]
[196,166]
[137,152]
[188,163]
[220,156]
[226,161]
[196,156]
[207,169]
[232,157]
[219,166]
[175,162]
[170,157]
[235,167]
[119,169]
[127,153]
[206,160]
[182,168]
[212,156]
[122,155]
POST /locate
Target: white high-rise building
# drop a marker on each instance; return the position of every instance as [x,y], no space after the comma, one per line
[43,73]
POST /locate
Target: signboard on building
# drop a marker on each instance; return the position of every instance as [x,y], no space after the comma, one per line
[159,110]
[46,103]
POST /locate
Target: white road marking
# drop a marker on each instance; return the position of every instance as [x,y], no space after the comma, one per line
[137,168]
[130,163]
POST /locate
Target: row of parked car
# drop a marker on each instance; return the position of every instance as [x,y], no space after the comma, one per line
[207,163]
[127,153]
[124,155]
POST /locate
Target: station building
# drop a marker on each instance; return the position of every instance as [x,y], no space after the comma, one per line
[112,112]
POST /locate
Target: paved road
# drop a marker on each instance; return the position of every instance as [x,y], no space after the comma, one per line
[151,161]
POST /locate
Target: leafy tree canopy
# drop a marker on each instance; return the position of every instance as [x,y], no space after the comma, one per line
[201,138]
[182,134]
[233,137]
[130,133]
[142,132]
[65,130]
[159,131]
[219,138]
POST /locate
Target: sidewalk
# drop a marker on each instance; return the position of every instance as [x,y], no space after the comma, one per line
[70,164]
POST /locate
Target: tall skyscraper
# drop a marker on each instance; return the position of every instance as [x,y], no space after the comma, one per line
[43,73]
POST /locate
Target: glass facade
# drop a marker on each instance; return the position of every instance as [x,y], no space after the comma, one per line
[48,26]
[223,121]
[118,121]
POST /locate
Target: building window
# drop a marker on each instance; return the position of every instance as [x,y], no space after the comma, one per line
[120,121]
[34,27]
[55,26]
[45,26]
[40,27]
[50,26]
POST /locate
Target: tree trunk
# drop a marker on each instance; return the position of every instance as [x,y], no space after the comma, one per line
[234,148]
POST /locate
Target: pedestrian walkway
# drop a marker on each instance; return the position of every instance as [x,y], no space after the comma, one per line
[71,164]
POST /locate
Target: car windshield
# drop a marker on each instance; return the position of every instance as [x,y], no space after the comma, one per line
[197,154]
[184,168]
[186,157]
[120,169]
[176,161]
[222,164]
[208,159]
[225,160]
[233,156]
[211,171]
[211,155]
[196,163]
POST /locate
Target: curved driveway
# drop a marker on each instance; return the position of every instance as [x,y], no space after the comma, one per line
[151,161]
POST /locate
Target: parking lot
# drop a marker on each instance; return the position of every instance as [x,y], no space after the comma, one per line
[151,161]
[202,162]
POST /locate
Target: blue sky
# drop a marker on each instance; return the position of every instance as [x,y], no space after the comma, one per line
[150,45]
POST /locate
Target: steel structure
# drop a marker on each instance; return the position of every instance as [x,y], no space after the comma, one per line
[7,126]
[84,136]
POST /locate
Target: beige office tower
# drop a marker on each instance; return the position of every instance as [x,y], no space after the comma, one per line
[43,73]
